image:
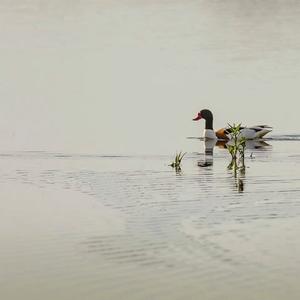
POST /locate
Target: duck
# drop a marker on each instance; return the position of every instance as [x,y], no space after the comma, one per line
[249,133]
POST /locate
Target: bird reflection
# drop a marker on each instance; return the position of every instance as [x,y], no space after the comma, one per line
[250,144]
[209,145]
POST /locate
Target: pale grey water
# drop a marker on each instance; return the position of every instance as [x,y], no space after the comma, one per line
[96,98]
[129,227]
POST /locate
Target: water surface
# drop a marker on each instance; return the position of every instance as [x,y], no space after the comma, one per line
[130,227]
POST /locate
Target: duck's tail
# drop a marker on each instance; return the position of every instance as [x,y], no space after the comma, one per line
[262,130]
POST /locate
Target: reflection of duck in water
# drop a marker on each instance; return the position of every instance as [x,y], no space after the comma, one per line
[250,144]
[250,133]
[209,145]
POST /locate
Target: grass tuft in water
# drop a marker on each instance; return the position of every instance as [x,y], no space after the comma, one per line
[177,162]
[237,152]
[236,149]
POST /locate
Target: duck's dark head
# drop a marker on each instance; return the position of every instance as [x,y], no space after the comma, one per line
[207,115]
[204,114]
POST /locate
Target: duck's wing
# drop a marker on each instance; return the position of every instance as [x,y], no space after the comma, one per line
[225,133]
[253,132]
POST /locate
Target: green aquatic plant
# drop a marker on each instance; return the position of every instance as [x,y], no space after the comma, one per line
[233,163]
[177,162]
[236,149]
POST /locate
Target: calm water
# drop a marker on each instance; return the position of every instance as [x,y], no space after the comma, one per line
[96,98]
[95,227]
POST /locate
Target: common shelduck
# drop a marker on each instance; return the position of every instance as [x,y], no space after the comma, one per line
[250,133]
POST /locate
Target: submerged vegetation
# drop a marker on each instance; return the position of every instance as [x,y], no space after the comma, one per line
[177,162]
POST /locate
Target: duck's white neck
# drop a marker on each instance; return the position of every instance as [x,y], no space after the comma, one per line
[209,134]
